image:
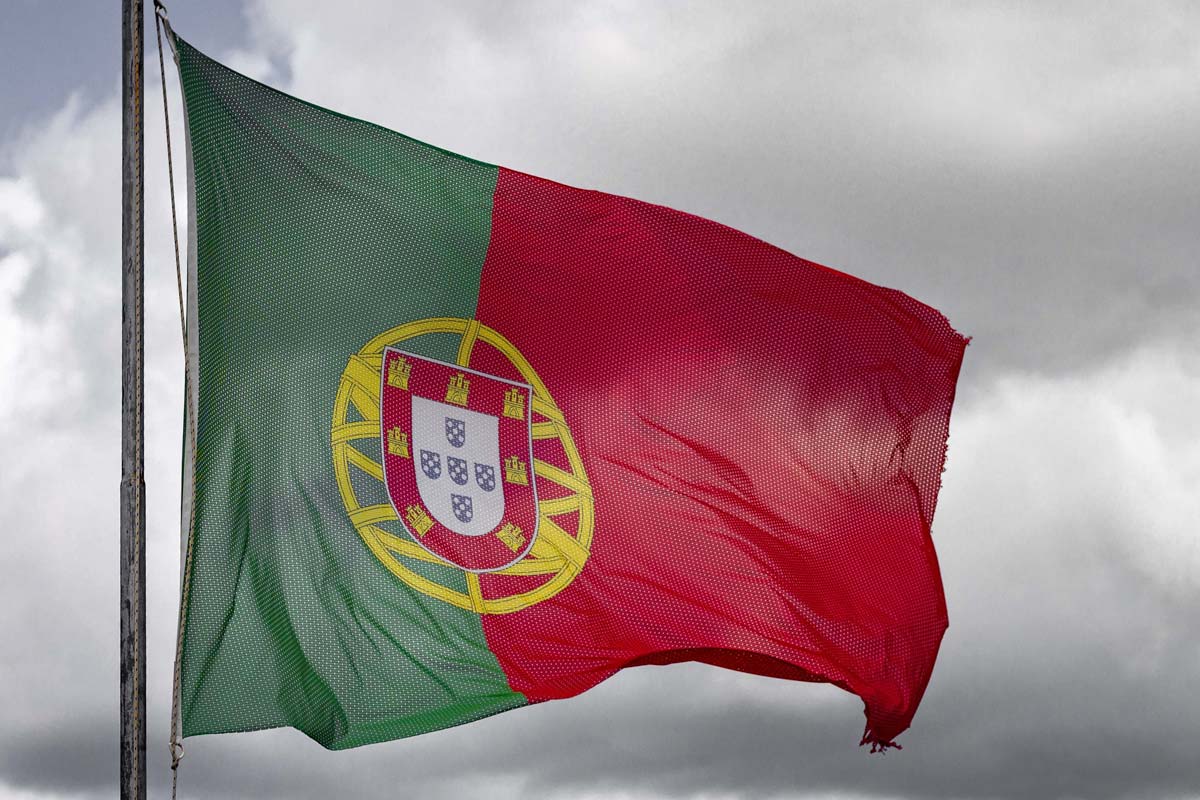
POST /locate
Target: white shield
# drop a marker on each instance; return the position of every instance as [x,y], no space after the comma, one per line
[456,456]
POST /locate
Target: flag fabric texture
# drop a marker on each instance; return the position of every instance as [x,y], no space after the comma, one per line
[467,439]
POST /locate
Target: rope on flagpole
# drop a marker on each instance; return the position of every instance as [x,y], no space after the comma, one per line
[176,745]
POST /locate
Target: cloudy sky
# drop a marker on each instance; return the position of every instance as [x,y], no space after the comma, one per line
[1031,169]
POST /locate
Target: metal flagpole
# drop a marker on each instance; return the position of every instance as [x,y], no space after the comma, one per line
[133,486]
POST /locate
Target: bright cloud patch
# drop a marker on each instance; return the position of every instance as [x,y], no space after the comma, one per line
[1120,444]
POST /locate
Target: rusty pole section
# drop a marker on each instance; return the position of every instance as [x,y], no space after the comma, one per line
[133,486]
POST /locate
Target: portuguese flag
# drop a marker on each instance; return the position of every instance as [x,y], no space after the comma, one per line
[466,439]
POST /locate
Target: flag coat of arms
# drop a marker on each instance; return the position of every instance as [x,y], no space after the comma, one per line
[467,439]
[449,488]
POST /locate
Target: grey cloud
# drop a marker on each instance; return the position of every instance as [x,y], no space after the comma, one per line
[87,37]
[80,757]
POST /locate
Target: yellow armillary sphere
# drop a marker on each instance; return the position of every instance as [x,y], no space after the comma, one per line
[565,508]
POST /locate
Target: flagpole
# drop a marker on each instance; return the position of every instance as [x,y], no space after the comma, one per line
[133,486]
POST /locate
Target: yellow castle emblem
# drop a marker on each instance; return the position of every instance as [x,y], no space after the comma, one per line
[397,443]
[512,536]
[418,519]
[456,391]
[398,372]
[514,404]
[515,471]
